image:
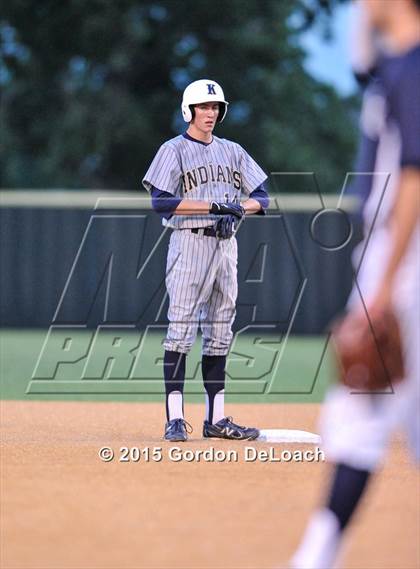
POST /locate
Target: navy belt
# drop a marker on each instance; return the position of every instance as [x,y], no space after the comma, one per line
[207,231]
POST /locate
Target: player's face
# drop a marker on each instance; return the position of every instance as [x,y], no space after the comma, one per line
[206,116]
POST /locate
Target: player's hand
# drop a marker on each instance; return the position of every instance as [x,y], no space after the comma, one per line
[225,227]
[230,208]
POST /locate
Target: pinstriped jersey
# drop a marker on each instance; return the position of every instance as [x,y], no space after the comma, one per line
[219,171]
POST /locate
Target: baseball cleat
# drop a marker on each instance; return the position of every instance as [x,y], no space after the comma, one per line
[227,429]
[176,430]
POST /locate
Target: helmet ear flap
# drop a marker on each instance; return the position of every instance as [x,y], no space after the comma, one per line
[187,112]
[222,112]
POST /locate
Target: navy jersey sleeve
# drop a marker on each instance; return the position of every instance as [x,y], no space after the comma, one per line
[260,194]
[406,111]
[164,203]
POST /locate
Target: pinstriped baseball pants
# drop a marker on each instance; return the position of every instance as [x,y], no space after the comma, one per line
[201,280]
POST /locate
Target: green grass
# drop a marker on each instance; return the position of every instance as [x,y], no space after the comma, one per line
[261,368]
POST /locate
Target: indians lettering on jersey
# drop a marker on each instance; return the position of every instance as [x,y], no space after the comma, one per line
[195,177]
[186,167]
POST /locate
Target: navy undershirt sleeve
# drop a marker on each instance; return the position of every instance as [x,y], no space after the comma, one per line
[261,196]
[406,110]
[164,203]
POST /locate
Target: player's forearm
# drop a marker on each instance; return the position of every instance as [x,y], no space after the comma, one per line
[197,207]
[251,206]
[405,216]
[192,207]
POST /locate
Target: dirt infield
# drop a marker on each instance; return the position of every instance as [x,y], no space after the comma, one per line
[62,507]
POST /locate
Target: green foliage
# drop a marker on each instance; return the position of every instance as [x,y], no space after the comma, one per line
[90,89]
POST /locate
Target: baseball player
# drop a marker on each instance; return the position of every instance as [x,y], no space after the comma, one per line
[196,181]
[356,427]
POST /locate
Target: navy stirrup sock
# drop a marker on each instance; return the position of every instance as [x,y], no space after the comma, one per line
[347,488]
[213,370]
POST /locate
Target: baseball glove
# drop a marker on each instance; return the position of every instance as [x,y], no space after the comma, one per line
[225,227]
[368,352]
[230,208]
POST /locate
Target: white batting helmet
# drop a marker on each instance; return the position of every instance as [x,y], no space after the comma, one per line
[203,91]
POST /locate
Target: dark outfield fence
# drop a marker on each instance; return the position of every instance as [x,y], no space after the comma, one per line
[68,259]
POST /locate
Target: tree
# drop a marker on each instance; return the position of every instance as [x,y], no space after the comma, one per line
[92,88]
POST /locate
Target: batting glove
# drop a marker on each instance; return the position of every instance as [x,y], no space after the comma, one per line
[225,227]
[218,208]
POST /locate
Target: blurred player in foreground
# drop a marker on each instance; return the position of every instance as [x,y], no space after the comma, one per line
[356,426]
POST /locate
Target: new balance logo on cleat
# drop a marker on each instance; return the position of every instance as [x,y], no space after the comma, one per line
[227,429]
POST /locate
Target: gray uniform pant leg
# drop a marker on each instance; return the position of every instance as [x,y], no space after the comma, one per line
[218,313]
[201,279]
